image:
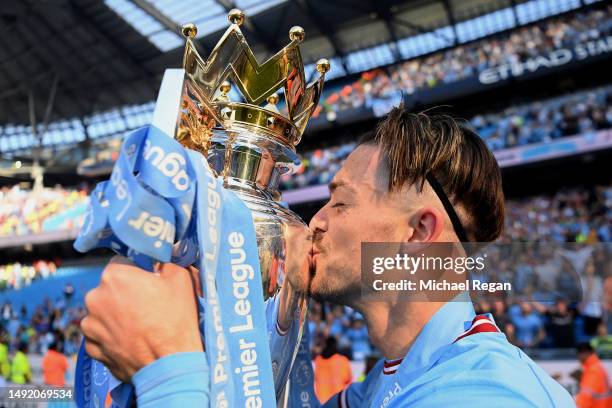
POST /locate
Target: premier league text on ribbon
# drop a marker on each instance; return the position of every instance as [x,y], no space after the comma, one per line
[210,254]
[241,272]
[239,349]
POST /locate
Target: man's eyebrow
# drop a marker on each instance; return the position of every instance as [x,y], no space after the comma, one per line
[334,185]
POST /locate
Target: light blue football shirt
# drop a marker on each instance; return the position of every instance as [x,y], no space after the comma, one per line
[478,370]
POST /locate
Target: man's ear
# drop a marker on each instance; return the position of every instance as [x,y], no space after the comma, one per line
[427,225]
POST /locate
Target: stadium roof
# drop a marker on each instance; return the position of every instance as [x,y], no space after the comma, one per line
[84,71]
[92,55]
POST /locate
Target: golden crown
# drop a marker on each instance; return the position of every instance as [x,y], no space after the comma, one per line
[206,103]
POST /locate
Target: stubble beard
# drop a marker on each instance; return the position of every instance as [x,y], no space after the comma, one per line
[337,290]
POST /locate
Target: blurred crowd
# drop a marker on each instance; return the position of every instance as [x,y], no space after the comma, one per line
[52,321]
[17,275]
[571,215]
[24,211]
[575,114]
[50,329]
[543,121]
[468,60]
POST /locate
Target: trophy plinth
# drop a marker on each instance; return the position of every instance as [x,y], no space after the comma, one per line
[251,146]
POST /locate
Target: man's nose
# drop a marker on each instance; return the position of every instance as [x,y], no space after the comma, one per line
[319,221]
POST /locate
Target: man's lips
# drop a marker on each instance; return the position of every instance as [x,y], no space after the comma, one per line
[311,260]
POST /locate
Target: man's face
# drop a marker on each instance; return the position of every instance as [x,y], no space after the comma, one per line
[360,210]
[526,308]
[561,306]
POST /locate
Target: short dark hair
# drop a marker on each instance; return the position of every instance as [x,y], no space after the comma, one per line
[584,348]
[417,145]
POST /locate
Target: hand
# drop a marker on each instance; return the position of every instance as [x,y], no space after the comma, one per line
[136,317]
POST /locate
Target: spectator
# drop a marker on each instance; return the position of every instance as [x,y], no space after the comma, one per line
[20,366]
[332,371]
[54,366]
[602,343]
[594,389]
[528,326]
[358,336]
[591,306]
[13,325]
[561,324]
[5,365]
[337,322]
[608,302]
[68,292]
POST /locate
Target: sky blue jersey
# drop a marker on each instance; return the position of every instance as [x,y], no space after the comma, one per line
[458,360]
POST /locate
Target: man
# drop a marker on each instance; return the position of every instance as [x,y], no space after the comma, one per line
[608,302]
[602,343]
[561,324]
[20,367]
[5,365]
[529,326]
[332,371]
[594,390]
[418,180]
[54,366]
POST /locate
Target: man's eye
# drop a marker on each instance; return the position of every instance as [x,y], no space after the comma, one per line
[336,205]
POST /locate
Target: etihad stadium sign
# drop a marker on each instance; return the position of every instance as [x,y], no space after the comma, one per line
[556,58]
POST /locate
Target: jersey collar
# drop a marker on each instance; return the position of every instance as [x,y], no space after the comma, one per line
[446,325]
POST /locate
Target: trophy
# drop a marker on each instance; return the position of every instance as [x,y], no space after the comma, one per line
[251,144]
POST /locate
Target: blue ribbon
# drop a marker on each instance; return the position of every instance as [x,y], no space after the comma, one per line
[301,379]
[164,204]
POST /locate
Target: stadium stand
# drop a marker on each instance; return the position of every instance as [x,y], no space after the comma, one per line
[580,113]
[24,212]
[461,62]
[14,276]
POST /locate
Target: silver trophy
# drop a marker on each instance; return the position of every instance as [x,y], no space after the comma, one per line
[251,144]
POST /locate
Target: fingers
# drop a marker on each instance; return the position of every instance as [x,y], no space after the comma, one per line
[97,336]
[93,339]
[182,278]
[96,304]
[95,329]
[96,351]
[120,269]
